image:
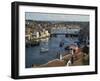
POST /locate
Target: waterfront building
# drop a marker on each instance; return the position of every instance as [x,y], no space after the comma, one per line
[69,63]
[35,34]
[28,37]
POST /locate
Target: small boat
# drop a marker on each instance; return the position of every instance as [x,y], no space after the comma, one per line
[44,49]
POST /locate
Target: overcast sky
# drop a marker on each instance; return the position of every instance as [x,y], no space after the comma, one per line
[55,17]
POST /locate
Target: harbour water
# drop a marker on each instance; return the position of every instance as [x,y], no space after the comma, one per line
[35,54]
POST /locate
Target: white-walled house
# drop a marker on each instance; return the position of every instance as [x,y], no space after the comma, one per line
[28,37]
[35,34]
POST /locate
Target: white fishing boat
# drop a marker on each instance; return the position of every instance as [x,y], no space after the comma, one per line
[43,49]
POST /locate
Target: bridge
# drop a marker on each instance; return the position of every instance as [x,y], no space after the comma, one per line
[64,31]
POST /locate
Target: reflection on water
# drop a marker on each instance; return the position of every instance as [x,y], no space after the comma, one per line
[44,45]
[47,50]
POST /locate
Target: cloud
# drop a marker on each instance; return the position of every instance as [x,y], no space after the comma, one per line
[55,17]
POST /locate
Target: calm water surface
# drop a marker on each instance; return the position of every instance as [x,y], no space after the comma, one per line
[34,56]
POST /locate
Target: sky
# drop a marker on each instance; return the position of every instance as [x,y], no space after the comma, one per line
[55,17]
